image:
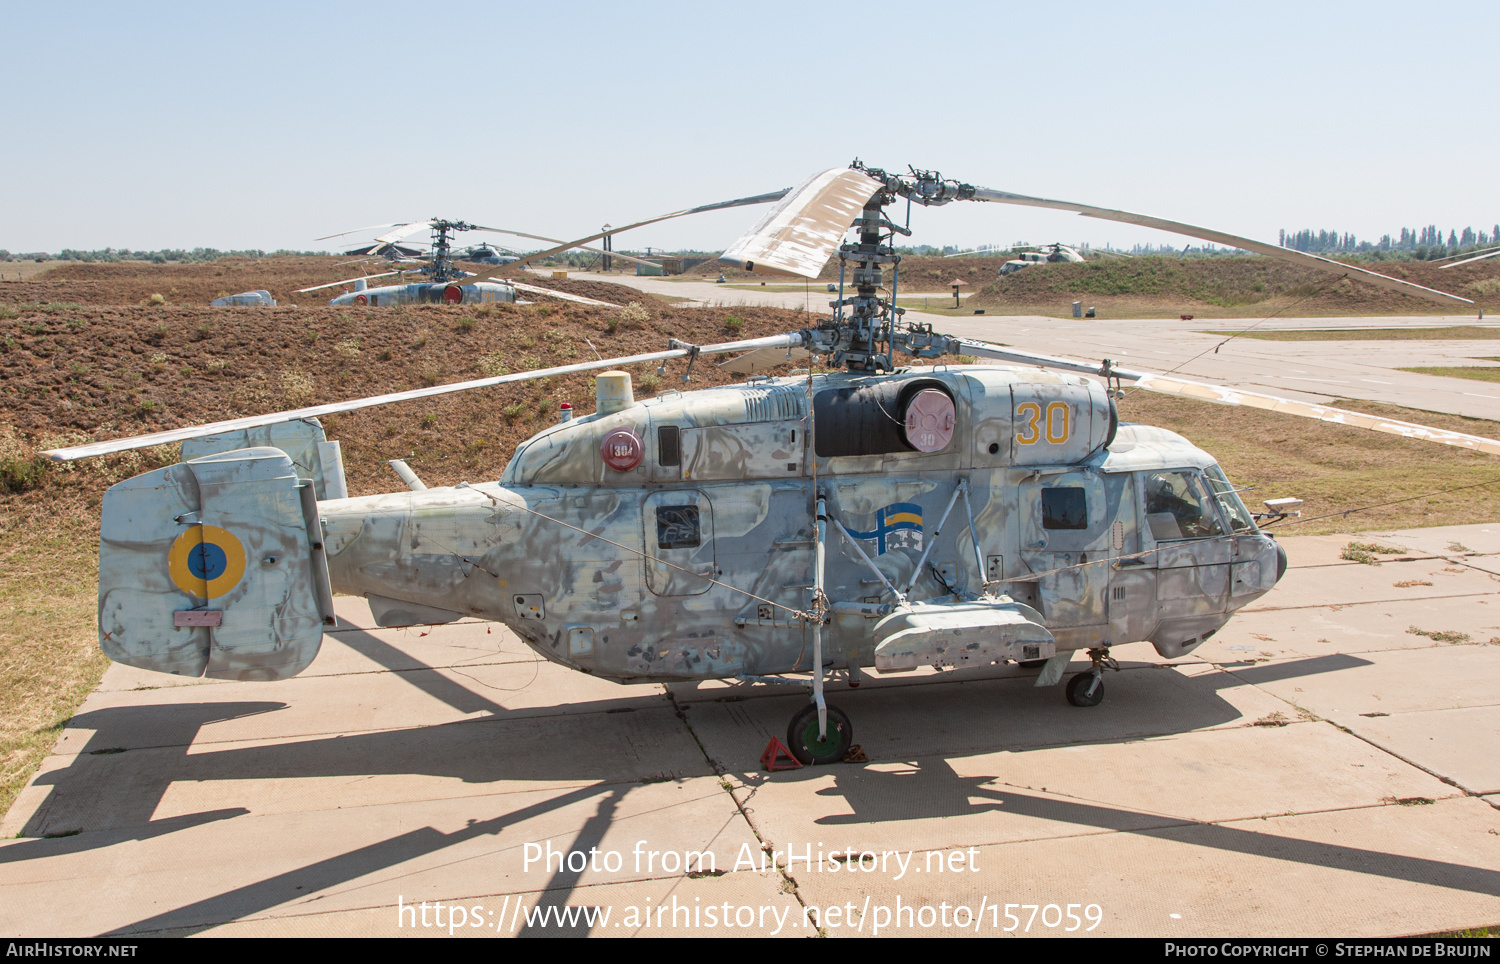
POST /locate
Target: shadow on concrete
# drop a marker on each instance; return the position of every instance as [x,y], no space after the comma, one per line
[1292,669]
[304,882]
[503,746]
[933,789]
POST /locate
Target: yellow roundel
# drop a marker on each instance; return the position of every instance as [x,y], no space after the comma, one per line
[206,561]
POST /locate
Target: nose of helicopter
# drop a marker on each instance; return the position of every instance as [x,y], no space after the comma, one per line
[1280,561]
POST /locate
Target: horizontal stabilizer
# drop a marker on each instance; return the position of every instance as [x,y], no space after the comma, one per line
[214,568]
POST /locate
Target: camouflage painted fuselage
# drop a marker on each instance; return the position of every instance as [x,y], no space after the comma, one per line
[693,563]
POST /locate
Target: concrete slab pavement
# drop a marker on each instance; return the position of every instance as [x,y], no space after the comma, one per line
[1313,769]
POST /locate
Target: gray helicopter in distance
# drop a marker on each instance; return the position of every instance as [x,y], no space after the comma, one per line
[786,529]
[445,282]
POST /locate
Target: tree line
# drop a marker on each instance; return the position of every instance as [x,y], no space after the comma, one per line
[1422,243]
[162,256]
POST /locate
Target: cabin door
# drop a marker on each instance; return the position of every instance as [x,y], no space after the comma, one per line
[679,541]
[1067,542]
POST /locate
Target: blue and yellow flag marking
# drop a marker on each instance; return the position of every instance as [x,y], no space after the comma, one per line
[206,561]
[897,517]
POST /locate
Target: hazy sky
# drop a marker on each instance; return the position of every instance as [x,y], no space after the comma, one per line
[267,125]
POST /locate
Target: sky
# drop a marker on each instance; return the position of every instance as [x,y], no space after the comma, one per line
[163,125]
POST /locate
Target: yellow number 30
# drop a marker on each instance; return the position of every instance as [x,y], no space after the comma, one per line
[1056,426]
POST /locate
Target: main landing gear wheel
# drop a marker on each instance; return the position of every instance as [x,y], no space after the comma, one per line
[802,736]
[1079,693]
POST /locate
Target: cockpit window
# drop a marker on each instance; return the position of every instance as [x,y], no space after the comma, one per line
[1240,519]
[1178,506]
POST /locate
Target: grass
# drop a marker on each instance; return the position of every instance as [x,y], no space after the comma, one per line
[49,654]
[1483,373]
[1452,333]
[1392,482]
[1364,552]
[939,305]
[1441,636]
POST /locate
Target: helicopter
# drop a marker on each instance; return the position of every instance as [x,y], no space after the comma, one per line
[446,283]
[798,528]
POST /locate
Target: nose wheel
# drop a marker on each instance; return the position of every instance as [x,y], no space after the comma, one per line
[802,736]
[1087,689]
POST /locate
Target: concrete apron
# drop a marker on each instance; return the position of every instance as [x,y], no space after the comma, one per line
[1323,766]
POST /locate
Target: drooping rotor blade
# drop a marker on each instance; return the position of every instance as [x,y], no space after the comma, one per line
[1465,254]
[1492,254]
[255,421]
[565,296]
[579,247]
[564,246]
[1167,385]
[764,358]
[1219,395]
[799,235]
[404,231]
[985,250]
[348,281]
[1219,237]
[371,227]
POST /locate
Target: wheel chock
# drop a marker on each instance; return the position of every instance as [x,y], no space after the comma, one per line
[778,757]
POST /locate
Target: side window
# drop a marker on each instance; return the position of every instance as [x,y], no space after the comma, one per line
[677,527]
[1240,519]
[1178,506]
[1064,507]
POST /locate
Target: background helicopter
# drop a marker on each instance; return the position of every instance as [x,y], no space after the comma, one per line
[1030,254]
[446,283]
[784,526]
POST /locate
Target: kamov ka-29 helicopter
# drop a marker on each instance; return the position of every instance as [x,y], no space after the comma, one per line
[812,525]
[445,282]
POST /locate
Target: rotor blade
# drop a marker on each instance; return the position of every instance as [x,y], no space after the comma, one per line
[371,227]
[1167,385]
[255,421]
[1219,395]
[1465,254]
[348,281]
[764,358]
[1218,237]
[616,254]
[580,247]
[1492,254]
[564,246]
[403,231]
[799,235]
[558,294]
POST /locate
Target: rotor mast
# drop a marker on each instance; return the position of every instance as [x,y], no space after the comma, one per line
[866,316]
[868,339]
[442,259]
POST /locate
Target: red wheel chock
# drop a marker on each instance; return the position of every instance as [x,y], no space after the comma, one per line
[778,757]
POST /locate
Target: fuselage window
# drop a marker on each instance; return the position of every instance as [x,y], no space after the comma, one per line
[1178,506]
[1064,507]
[677,527]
